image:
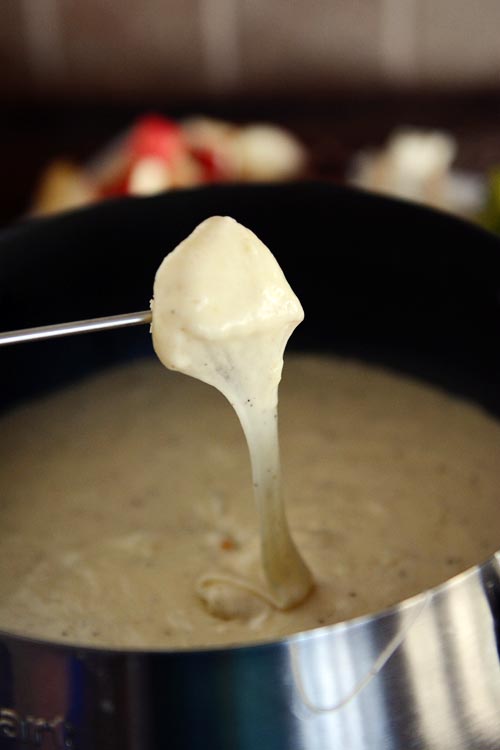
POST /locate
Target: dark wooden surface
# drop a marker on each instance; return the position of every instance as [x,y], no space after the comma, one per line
[333,130]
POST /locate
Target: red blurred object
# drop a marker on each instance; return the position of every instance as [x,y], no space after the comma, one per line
[114,189]
[157,136]
[214,166]
[153,136]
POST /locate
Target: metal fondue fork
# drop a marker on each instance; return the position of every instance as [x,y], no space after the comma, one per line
[78,326]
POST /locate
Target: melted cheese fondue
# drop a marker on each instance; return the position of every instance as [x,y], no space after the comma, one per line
[142,484]
[223,312]
[131,523]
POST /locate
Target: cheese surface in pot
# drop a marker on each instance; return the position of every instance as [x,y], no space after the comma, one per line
[130,516]
[141,486]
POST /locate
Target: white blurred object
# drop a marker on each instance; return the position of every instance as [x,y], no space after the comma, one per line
[266,153]
[256,152]
[149,176]
[416,165]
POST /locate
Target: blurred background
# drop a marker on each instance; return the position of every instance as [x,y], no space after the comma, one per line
[401,96]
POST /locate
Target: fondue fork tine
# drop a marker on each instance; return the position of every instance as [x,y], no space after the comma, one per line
[75,327]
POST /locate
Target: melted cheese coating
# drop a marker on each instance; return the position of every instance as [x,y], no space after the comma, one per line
[222,313]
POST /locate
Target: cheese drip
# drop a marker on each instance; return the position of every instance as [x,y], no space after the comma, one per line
[223,313]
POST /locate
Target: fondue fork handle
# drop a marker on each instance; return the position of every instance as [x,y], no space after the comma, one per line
[78,326]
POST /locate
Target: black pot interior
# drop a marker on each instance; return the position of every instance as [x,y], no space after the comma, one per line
[379,280]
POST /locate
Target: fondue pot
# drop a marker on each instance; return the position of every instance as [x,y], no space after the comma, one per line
[380,280]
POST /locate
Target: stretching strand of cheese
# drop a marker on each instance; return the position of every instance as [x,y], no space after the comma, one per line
[223,313]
